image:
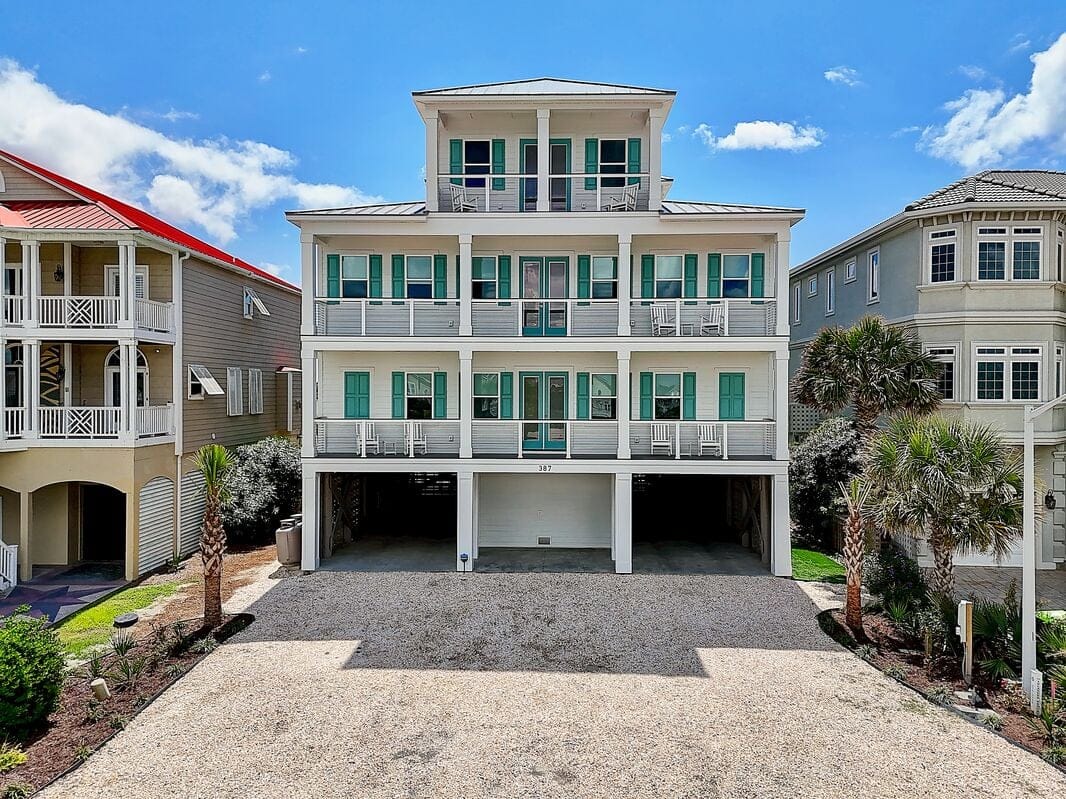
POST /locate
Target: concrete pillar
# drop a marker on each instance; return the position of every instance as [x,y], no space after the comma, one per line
[781,282]
[655,159]
[623,523]
[781,405]
[543,159]
[624,393]
[25,519]
[132,532]
[781,534]
[464,287]
[307,283]
[466,405]
[625,281]
[309,558]
[432,120]
[464,539]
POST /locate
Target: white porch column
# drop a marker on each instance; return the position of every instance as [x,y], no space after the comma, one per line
[625,280]
[31,280]
[781,535]
[25,518]
[543,159]
[655,159]
[309,392]
[128,257]
[68,262]
[781,405]
[464,539]
[466,404]
[31,386]
[128,385]
[464,287]
[623,523]
[432,120]
[474,512]
[624,395]
[309,556]
[781,292]
[308,275]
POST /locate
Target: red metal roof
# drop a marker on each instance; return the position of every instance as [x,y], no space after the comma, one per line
[129,217]
[61,215]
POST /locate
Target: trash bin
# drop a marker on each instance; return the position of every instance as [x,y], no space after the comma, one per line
[288,542]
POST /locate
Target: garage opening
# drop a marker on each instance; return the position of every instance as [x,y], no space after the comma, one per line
[701,524]
[389,522]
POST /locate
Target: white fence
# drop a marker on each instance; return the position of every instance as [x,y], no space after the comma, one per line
[155,420]
[386,317]
[694,317]
[70,311]
[79,422]
[9,565]
[154,315]
[389,437]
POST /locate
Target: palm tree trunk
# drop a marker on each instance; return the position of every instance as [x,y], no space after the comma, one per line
[212,600]
[943,567]
[212,551]
[854,544]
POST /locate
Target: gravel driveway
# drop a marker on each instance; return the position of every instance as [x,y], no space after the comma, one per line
[544,685]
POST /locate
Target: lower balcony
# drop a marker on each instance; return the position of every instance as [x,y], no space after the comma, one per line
[82,423]
[387,438]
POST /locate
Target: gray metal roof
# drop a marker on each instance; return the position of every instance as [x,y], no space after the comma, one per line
[670,208]
[540,86]
[998,186]
[683,207]
[377,209]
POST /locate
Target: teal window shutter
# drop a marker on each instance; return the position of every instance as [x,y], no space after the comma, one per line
[503,274]
[375,275]
[357,395]
[582,395]
[398,287]
[506,395]
[731,396]
[499,164]
[714,274]
[333,276]
[584,276]
[592,162]
[455,159]
[691,262]
[440,276]
[399,395]
[645,395]
[440,395]
[647,276]
[688,395]
[758,273]
[458,283]
[633,159]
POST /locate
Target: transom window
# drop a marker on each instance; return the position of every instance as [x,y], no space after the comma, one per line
[668,274]
[736,275]
[942,256]
[945,379]
[612,161]
[604,396]
[483,269]
[419,399]
[419,276]
[812,286]
[476,161]
[486,395]
[1008,373]
[1008,253]
[667,395]
[604,277]
[354,281]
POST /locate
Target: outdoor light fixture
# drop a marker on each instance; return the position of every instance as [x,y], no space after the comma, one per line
[57,275]
[1049,500]
[463,557]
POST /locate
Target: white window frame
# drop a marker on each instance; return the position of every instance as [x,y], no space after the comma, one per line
[407,281]
[1059,256]
[111,273]
[593,396]
[201,383]
[340,267]
[680,278]
[1060,364]
[830,292]
[812,285]
[255,391]
[407,396]
[252,303]
[494,280]
[468,164]
[947,354]
[1008,355]
[600,162]
[940,237]
[655,396]
[1012,234]
[613,282]
[476,396]
[851,271]
[234,391]
[797,296]
[873,276]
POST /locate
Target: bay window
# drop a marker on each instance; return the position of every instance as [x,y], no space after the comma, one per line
[1008,253]
[1008,373]
[942,256]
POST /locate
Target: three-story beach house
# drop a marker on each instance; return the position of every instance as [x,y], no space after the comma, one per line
[545,352]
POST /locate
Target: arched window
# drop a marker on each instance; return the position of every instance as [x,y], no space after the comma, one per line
[113,379]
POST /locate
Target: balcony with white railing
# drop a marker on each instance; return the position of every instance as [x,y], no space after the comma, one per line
[14,422]
[154,315]
[709,439]
[12,307]
[402,438]
[703,317]
[386,317]
[79,422]
[87,312]
[155,420]
[555,317]
[538,438]
[510,192]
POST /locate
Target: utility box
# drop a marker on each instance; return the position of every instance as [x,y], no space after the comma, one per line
[289,543]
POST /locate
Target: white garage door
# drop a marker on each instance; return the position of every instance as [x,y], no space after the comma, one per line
[568,510]
[192,512]
[155,524]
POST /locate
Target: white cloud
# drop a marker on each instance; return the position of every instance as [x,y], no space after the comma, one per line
[684,129]
[844,75]
[214,184]
[300,51]
[973,72]
[987,127]
[1018,42]
[762,135]
[906,131]
[265,76]
[667,137]
[275,269]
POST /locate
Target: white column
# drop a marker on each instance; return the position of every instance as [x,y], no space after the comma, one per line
[464,287]
[31,278]
[475,504]
[128,254]
[25,519]
[3,392]
[432,120]
[308,264]
[543,159]
[466,404]
[781,535]
[31,388]
[655,159]
[309,391]
[781,282]
[625,279]
[309,557]
[1029,499]
[780,361]
[68,261]
[624,395]
[464,521]
[623,523]
[126,411]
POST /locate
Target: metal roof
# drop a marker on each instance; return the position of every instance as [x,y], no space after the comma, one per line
[540,86]
[377,209]
[684,207]
[669,208]
[998,186]
[59,215]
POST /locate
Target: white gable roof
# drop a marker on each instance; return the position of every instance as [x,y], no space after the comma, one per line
[538,86]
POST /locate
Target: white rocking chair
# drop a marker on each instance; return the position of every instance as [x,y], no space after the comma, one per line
[415,438]
[709,439]
[711,323]
[661,440]
[461,203]
[625,201]
[662,323]
[370,439]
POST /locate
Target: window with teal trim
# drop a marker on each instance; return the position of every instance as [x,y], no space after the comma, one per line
[486,395]
[419,276]
[736,276]
[612,162]
[483,270]
[604,396]
[477,159]
[419,399]
[668,274]
[354,276]
[667,395]
[604,277]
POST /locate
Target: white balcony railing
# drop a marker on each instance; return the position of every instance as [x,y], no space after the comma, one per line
[9,565]
[13,305]
[155,420]
[511,192]
[698,316]
[563,317]
[525,438]
[155,315]
[14,422]
[70,311]
[386,317]
[746,440]
[386,437]
[69,421]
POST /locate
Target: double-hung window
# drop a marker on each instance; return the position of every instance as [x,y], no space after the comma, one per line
[483,269]
[1008,373]
[1008,253]
[873,284]
[419,395]
[667,395]
[604,277]
[354,280]
[830,292]
[736,276]
[418,274]
[945,379]
[991,253]
[604,396]
[669,270]
[942,256]
[1058,258]
[477,159]
[486,395]
[812,286]
[612,162]
[1025,261]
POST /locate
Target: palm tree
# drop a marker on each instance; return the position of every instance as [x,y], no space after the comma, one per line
[213,462]
[856,494]
[869,367]
[951,482]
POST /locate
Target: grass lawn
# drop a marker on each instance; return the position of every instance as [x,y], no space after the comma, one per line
[811,566]
[92,626]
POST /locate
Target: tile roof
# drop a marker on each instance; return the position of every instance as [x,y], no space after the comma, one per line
[130,218]
[998,186]
[59,215]
[539,86]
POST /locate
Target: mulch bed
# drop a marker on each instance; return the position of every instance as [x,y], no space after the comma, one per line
[894,655]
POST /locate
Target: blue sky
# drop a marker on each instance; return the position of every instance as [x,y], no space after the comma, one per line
[219,116]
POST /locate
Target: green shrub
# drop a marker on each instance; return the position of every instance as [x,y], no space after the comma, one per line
[828,456]
[895,578]
[11,757]
[31,672]
[997,633]
[264,488]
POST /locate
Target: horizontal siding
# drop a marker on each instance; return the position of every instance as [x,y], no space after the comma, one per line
[155,524]
[193,505]
[573,510]
[21,185]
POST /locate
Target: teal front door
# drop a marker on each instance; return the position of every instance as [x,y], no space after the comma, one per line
[543,399]
[544,278]
[731,396]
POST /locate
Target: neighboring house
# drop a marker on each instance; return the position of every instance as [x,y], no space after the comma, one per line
[569,359]
[127,345]
[976,270]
